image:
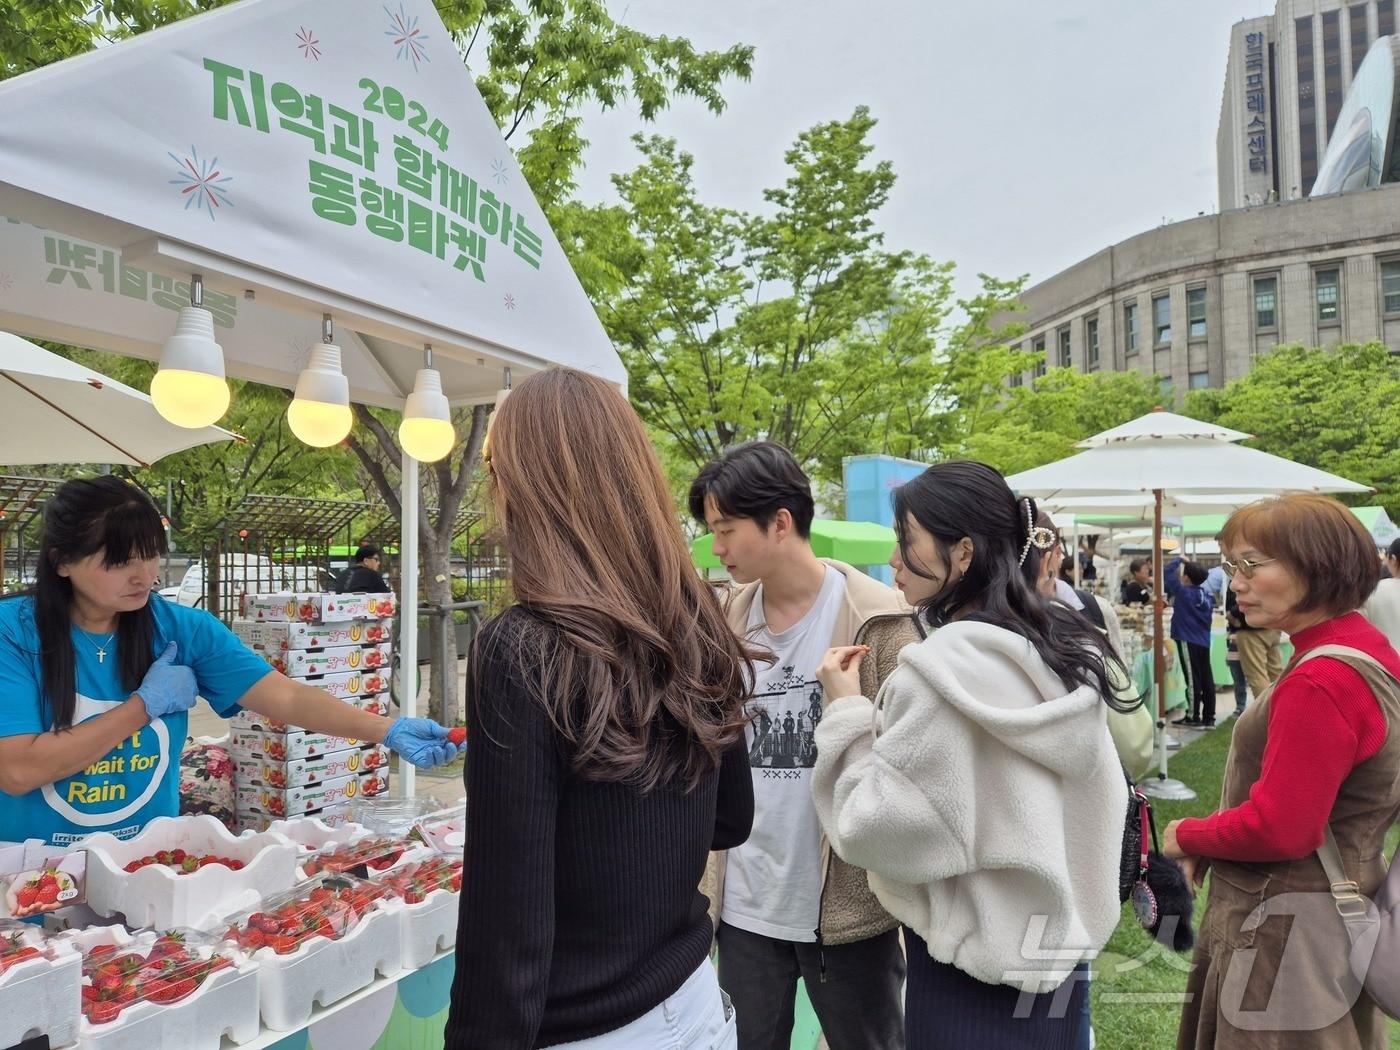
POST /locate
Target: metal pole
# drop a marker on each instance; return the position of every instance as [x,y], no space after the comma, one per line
[408,609]
[1162,786]
[1074,554]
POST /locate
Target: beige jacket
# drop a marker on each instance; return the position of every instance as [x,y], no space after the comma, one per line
[873,615]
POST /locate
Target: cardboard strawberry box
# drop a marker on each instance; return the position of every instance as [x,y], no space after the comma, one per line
[302,771]
[277,636]
[298,801]
[305,663]
[292,606]
[284,747]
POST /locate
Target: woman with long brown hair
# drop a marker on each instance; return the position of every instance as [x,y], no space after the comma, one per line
[607,747]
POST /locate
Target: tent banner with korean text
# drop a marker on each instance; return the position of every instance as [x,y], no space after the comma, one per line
[342,143]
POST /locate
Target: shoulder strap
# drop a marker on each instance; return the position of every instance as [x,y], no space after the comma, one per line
[1379,678]
[1355,910]
[1091,610]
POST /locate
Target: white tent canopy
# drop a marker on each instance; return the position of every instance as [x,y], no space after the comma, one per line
[353,175]
[304,157]
[1161,424]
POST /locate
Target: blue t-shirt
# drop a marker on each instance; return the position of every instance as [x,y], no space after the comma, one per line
[139,779]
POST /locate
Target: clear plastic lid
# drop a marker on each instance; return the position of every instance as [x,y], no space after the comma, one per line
[20,944]
[413,882]
[324,906]
[162,969]
[390,816]
[362,859]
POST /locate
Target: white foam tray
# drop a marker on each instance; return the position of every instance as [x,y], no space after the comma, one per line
[158,897]
[429,927]
[322,971]
[226,1004]
[42,997]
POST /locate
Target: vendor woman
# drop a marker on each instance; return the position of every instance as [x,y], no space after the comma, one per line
[97,675]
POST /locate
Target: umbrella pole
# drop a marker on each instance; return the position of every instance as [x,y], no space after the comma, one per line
[1162,786]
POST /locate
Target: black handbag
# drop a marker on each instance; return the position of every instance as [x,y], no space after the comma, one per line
[1156,885]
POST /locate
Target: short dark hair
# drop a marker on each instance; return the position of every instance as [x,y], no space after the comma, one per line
[1135,565]
[366,550]
[1319,540]
[755,480]
[1394,551]
[1195,572]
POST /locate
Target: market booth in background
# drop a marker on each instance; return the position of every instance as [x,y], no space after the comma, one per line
[309,194]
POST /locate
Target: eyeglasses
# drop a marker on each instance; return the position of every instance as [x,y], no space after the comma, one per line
[1244,565]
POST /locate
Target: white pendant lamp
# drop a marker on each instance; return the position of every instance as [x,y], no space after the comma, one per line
[426,432]
[320,410]
[189,389]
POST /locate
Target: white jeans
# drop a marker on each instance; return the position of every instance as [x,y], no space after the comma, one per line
[694,1018]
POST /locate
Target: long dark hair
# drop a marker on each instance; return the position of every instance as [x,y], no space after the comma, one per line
[963,498]
[646,682]
[85,516]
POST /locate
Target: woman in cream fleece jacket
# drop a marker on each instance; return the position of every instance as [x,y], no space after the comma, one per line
[981,791]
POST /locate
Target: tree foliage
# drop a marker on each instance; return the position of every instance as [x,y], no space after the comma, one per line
[1334,409]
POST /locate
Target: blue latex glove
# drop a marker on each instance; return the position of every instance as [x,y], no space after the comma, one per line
[421,741]
[168,688]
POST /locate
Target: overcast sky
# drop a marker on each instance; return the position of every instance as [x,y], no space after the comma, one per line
[1025,135]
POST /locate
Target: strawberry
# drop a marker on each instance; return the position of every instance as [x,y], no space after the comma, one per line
[107,981]
[126,994]
[26,897]
[236,865]
[177,856]
[48,895]
[170,991]
[188,865]
[457,735]
[135,865]
[103,1013]
[283,944]
[168,944]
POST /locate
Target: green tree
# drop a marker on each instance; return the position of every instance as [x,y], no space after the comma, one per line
[794,325]
[1334,409]
[1023,427]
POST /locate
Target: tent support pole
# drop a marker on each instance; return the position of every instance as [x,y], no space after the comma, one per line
[408,609]
[1161,786]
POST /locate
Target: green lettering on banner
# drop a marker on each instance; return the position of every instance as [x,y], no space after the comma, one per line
[457,217]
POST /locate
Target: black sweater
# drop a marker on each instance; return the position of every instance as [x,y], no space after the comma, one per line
[579,909]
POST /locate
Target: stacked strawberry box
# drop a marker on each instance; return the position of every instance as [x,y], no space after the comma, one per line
[341,644]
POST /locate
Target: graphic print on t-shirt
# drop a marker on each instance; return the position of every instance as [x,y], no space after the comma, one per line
[786,707]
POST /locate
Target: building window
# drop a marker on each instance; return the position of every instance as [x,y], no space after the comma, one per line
[1161,320]
[1196,313]
[1265,303]
[1390,285]
[1307,102]
[1130,330]
[1385,17]
[1038,369]
[1018,378]
[1062,339]
[1200,380]
[1327,284]
[1091,343]
[1038,345]
[1356,16]
[1332,65]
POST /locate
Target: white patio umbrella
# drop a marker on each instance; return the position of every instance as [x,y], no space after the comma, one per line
[1162,453]
[57,411]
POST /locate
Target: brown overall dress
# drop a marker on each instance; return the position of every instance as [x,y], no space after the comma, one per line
[1315,986]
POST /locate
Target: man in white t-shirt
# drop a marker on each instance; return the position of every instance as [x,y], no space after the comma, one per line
[784,906]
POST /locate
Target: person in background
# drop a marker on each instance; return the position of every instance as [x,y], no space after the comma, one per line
[1178,696]
[1191,618]
[1316,755]
[982,794]
[1137,588]
[1383,607]
[1216,585]
[607,749]
[363,575]
[1171,572]
[1234,623]
[784,905]
[1261,660]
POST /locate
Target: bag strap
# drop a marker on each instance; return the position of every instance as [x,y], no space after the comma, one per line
[1346,894]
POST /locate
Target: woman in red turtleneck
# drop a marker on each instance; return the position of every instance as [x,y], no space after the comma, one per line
[1315,750]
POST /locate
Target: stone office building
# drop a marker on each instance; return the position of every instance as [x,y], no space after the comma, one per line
[1194,302]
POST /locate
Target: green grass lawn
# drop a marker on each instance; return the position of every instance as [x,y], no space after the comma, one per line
[1137,983]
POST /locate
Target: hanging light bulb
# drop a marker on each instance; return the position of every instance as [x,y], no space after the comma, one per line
[320,410]
[189,389]
[426,432]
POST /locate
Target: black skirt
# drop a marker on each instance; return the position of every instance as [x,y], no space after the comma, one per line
[945,1009]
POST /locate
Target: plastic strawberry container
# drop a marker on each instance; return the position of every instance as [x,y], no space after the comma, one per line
[180,988]
[430,890]
[40,981]
[162,898]
[319,943]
